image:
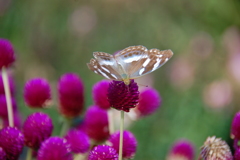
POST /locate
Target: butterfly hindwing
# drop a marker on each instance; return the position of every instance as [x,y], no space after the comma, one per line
[155,59]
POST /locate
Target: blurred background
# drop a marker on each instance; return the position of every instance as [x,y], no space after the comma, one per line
[199,86]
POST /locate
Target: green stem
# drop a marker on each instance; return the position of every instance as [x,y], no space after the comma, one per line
[121,136]
[8,96]
[29,154]
[65,126]
[110,122]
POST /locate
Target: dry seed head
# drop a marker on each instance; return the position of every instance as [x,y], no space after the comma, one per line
[215,149]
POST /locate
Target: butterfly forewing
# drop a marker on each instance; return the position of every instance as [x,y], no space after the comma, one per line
[154,60]
[130,57]
[104,65]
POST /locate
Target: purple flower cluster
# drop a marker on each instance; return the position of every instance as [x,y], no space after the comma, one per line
[182,149]
[129,143]
[55,148]
[96,123]
[71,98]
[37,128]
[12,142]
[102,152]
[122,96]
[7,56]
[99,93]
[78,140]
[37,93]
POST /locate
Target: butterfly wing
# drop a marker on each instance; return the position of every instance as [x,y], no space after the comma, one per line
[130,58]
[154,60]
[104,65]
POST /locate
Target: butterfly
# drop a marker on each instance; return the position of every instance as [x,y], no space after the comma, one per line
[130,63]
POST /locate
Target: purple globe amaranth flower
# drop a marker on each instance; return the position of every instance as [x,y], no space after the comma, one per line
[12,142]
[103,152]
[122,96]
[149,102]
[182,149]
[3,106]
[71,95]
[215,148]
[55,148]
[99,92]
[11,85]
[3,155]
[37,128]
[37,93]
[78,140]
[237,154]
[235,130]
[7,56]
[129,143]
[96,123]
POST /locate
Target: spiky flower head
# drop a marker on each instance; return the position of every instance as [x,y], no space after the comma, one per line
[96,123]
[37,93]
[3,106]
[122,96]
[78,140]
[99,92]
[149,102]
[129,143]
[235,130]
[71,96]
[103,152]
[215,149]
[3,155]
[7,56]
[12,142]
[37,128]
[181,150]
[55,148]
[11,85]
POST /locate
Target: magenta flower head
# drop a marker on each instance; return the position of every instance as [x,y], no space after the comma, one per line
[12,142]
[3,155]
[78,140]
[3,106]
[99,92]
[215,148]
[103,152]
[11,85]
[235,130]
[55,148]
[37,93]
[182,149]
[96,123]
[71,95]
[122,96]
[7,56]
[37,128]
[149,102]
[237,154]
[129,143]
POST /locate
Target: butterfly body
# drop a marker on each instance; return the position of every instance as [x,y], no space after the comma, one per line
[130,63]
